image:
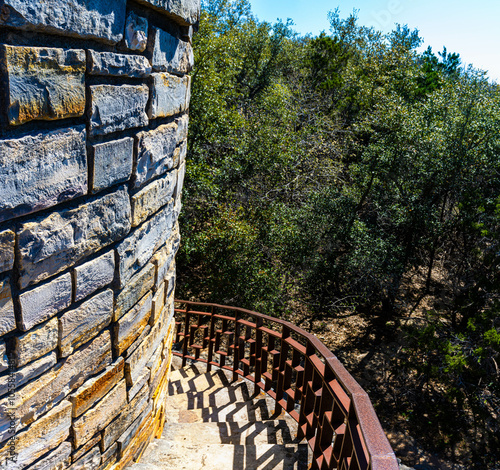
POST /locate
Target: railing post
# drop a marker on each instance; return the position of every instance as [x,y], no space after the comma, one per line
[211,339]
[186,336]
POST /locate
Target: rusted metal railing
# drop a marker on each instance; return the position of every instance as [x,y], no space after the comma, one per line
[334,414]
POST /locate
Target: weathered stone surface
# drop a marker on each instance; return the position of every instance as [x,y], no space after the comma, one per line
[112,163]
[39,171]
[93,275]
[36,343]
[94,389]
[135,363]
[170,95]
[131,325]
[171,54]
[95,419]
[81,451]
[58,459]
[182,128]
[155,362]
[184,11]
[7,239]
[79,325]
[181,173]
[109,453]
[152,197]
[43,435]
[182,152]
[125,439]
[109,63]
[141,381]
[4,360]
[42,394]
[49,244]
[158,304]
[138,342]
[138,248]
[164,258]
[43,302]
[136,32]
[20,376]
[127,416]
[92,19]
[135,289]
[116,108]
[7,318]
[171,281]
[44,83]
[90,461]
[155,151]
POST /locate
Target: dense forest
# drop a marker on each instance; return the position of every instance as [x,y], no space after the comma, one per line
[353,176]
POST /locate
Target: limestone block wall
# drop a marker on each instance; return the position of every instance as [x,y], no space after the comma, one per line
[94,97]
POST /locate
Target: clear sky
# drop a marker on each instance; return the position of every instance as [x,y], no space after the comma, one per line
[469,27]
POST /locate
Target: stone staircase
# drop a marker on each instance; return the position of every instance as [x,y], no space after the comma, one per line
[213,423]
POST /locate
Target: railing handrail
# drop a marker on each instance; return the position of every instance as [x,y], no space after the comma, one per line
[375,446]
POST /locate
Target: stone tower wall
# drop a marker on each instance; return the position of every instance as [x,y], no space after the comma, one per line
[93,125]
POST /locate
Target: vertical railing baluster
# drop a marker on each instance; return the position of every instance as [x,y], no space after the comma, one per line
[258,353]
[236,346]
[186,336]
[211,339]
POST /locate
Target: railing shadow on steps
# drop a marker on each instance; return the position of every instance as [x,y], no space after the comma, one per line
[334,414]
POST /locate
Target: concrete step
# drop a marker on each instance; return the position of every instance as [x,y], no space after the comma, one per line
[237,433]
[164,455]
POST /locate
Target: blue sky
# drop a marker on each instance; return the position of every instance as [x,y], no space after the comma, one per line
[471,28]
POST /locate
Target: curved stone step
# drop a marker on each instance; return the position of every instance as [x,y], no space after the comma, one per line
[165,455]
[237,433]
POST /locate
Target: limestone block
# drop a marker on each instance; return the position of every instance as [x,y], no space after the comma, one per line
[157,379]
[90,461]
[93,275]
[137,342]
[141,381]
[36,343]
[152,197]
[43,83]
[81,324]
[164,258]
[182,128]
[132,431]
[51,243]
[81,451]
[112,163]
[158,304]
[58,459]
[131,325]
[108,455]
[90,19]
[96,419]
[43,302]
[21,376]
[135,289]
[7,318]
[116,108]
[42,394]
[171,283]
[186,12]
[136,362]
[136,32]
[127,416]
[4,360]
[181,173]
[41,170]
[140,441]
[7,239]
[109,63]
[155,362]
[43,435]
[170,95]
[138,248]
[155,151]
[182,152]
[94,389]
[171,54]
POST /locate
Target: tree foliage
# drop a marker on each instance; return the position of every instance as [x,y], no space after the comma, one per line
[350,172]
